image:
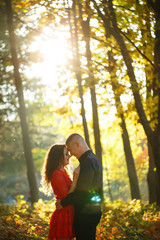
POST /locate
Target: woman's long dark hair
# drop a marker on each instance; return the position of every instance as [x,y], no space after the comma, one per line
[53,159]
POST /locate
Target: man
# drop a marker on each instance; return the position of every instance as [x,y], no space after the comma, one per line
[87,196]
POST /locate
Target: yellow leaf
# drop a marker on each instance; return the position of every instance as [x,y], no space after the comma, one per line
[9,218]
[114,230]
[18,222]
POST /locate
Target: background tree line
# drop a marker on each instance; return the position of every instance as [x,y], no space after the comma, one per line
[110,95]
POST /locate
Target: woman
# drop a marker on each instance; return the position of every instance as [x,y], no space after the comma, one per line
[54,174]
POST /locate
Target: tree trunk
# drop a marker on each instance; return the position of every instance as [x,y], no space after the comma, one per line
[135,192]
[134,84]
[156,155]
[96,128]
[91,82]
[153,137]
[133,180]
[22,110]
[146,47]
[77,69]
[156,142]
[108,182]
[151,177]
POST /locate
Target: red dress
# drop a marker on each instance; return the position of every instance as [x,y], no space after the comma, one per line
[61,223]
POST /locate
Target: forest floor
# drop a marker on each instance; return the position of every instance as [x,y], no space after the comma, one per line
[131,220]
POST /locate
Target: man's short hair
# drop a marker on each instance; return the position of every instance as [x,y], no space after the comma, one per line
[72,136]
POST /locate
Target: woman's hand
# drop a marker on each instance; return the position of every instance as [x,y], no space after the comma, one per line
[76,173]
[75,178]
[58,204]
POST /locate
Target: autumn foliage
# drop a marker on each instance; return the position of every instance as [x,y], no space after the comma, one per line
[132,220]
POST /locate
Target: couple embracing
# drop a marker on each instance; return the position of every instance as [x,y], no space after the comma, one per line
[78,209]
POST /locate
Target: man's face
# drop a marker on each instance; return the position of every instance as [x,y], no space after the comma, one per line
[72,148]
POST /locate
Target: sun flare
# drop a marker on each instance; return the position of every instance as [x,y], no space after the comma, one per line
[54,52]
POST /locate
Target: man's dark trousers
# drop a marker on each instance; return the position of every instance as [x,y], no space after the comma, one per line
[85,225]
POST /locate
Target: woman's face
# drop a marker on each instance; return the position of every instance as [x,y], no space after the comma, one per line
[66,157]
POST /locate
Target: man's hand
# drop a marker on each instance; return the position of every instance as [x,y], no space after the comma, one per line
[58,204]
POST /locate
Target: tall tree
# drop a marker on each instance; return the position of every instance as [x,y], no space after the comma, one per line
[133,180]
[147,40]
[86,33]
[77,68]
[153,135]
[22,110]
[155,144]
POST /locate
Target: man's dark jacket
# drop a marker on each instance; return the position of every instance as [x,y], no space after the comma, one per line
[89,185]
